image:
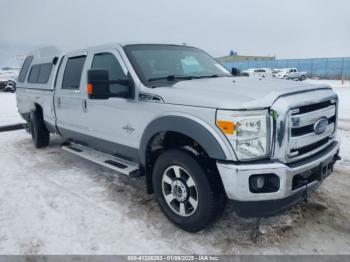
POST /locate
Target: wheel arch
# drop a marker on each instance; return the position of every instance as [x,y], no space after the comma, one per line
[180,126]
[185,126]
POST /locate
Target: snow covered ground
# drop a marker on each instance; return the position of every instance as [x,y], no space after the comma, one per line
[52,202]
[8,110]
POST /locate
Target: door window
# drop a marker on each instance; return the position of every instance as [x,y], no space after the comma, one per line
[40,73]
[109,62]
[72,73]
[45,72]
[34,74]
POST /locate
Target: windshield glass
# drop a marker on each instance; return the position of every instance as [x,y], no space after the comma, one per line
[164,65]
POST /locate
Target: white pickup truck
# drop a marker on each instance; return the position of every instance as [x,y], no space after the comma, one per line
[258,72]
[291,74]
[173,114]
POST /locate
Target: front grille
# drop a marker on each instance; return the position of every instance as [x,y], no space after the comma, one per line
[299,131]
[303,141]
[314,107]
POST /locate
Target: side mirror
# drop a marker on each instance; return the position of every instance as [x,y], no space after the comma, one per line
[98,84]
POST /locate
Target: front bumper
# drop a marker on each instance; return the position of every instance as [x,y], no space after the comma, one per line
[235,178]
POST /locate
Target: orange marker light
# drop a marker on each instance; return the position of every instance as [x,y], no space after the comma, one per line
[89,89]
[226,127]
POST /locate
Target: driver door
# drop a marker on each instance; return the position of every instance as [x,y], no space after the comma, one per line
[110,121]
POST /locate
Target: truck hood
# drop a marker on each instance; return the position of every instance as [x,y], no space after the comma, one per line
[231,92]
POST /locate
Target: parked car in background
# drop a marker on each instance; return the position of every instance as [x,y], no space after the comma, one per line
[291,74]
[10,86]
[3,81]
[8,76]
[275,72]
[258,72]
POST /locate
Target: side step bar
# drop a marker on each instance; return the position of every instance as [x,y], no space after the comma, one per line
[120,165]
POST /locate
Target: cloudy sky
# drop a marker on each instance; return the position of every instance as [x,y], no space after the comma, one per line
[287,29]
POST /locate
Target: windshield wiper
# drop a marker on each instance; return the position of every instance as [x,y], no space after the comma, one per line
[172,78]
[213,76]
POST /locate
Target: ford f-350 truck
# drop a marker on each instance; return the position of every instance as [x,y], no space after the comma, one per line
[175,115]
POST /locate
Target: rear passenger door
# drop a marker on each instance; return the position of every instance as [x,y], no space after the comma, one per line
[70,100]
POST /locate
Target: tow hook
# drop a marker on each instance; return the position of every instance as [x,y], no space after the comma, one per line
[337,158]
[306,191]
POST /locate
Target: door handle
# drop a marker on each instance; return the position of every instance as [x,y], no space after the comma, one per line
[84,105]
[58,102]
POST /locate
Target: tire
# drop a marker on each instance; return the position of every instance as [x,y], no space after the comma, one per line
[40,134]
[180,180]
[9,89]
[302,78]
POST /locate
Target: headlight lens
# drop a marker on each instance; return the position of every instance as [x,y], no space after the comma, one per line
[248,132]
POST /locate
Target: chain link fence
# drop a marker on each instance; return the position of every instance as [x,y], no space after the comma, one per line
[323,68]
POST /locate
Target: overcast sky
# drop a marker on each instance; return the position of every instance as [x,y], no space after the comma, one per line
[285,28]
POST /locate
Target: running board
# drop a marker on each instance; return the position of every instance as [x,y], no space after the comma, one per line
[117,164]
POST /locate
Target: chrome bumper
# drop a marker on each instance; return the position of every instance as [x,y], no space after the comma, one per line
[235,178]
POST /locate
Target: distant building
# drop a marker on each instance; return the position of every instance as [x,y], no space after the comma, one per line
[234,57]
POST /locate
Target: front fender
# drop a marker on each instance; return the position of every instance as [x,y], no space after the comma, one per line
[185,126]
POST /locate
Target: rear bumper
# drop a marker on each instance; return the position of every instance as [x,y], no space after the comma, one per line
[312,172]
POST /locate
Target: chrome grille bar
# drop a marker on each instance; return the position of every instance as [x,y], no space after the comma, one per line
[310,118]
[311,138]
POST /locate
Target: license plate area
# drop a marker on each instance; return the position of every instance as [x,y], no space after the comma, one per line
[318,173]
[326,168]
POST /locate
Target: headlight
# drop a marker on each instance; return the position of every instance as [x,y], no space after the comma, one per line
[248,132]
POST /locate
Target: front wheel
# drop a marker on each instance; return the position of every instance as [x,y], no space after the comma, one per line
[185,192]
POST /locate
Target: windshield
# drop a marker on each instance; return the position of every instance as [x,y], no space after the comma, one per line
[164,65]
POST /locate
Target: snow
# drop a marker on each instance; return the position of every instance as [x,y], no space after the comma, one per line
[9,74]
[52,202]
[8,110]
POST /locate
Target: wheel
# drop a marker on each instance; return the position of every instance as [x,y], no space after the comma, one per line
[40,134]
[302,78]
[9,89]
[186,193]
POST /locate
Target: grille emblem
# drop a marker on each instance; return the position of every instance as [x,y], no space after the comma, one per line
[320,125]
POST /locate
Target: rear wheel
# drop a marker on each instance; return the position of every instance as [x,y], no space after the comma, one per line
[185,192]
[40,134]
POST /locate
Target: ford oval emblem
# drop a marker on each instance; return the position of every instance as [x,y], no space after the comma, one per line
[320,125]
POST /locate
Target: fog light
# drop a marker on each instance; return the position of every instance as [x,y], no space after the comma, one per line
[257,182]
[264,183]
